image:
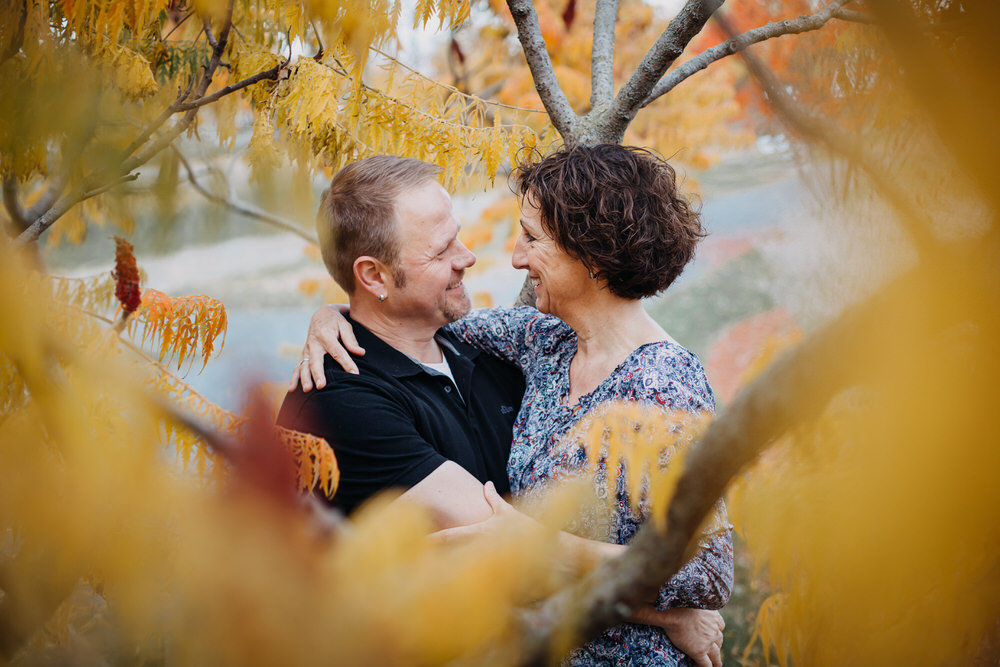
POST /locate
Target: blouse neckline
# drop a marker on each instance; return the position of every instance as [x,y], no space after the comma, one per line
[561,399]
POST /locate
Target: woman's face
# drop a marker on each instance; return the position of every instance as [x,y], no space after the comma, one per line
[560,281]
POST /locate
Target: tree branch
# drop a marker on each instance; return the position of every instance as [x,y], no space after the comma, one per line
[10,203]
[271,74]
[527,295]
[854,17]
[104,188]
[740,42]
[602,54]
[219,47]
[529,33]
[51,195]
[207,29]
[241,207]
[103,180]
[958,104]
[150,129]
[479,98]
[841,143]
[667,49]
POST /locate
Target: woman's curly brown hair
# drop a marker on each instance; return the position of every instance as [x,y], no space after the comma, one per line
[617,210]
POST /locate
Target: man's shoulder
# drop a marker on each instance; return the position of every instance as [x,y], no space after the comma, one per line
[342,393]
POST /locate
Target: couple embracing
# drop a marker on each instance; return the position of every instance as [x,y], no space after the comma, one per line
[460,407]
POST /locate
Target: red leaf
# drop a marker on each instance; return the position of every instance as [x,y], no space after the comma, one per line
[126,275]
[569,13]
[457,50]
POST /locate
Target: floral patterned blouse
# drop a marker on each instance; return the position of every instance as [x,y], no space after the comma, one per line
[660,373]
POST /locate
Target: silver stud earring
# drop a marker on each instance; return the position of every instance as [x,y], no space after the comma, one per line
[381,298]
[593,276]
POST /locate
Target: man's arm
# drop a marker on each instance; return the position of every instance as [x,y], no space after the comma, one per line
[453,496]
[496,331]
[373,429]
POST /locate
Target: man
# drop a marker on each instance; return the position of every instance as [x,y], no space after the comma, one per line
[426,412]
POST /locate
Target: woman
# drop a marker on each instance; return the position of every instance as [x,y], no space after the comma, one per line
[601,228]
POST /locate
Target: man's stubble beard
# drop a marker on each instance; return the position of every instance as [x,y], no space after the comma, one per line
[458,311]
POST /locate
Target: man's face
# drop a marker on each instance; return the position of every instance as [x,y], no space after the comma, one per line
[432,259]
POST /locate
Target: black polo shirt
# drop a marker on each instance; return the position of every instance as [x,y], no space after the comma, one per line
[397,421]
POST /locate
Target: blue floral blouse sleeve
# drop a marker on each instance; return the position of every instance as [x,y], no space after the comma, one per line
[674,378]
[501,332]
[707,580]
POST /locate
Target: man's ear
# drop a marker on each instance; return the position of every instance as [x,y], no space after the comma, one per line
[372,276]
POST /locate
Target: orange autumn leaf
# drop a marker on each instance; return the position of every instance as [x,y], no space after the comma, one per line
[315,462]
[641,448]
[183,326]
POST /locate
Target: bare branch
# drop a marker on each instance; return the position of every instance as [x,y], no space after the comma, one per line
[47,219]
[479,98]
[144,136]
[168,137]
[664,52]
[108,186]
[959,105]
[602,54]
[218,48]
[841,143]
[17,216]
[319,41]
[56,188]
[854,17]
[527,296]
[207,29]
[740,42]
[179,24]
[529,33]
[271,74]
[65,203]
[241,207]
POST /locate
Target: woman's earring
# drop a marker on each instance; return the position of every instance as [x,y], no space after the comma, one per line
[593,276]
[381,298]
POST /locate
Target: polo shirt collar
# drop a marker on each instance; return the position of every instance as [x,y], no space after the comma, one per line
[390,360]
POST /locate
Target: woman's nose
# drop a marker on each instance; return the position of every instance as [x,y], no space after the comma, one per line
[518,258]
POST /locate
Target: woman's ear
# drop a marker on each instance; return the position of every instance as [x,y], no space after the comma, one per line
[372,276]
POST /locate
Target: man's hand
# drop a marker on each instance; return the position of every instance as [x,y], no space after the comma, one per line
[329,333]
[696,632]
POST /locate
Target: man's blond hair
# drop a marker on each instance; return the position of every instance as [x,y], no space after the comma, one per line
[357,216]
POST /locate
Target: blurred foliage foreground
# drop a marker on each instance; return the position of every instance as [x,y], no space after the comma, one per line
[872,509]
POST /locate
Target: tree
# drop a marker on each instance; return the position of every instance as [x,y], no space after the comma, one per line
[93,499]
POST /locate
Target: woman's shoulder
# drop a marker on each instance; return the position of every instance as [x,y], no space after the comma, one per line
[666,369]
[546,331]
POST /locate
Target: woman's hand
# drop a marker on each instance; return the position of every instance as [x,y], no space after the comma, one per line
[696,632]
[329,333]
